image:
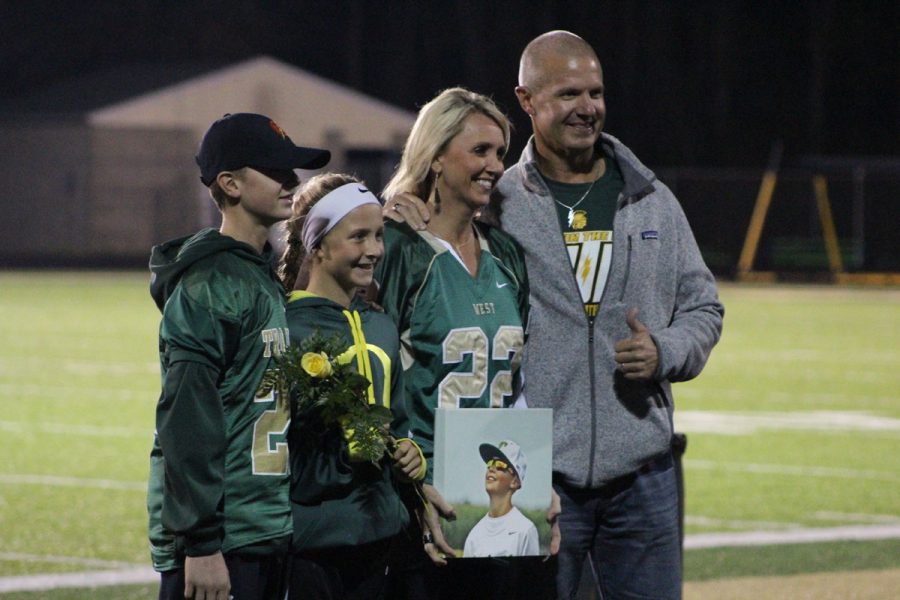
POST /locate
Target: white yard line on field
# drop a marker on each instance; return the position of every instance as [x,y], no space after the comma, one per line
[82,482]
[738,523]
[18,391]
[789,357]
[67,560]
[85,579]
[791,399]
[792,536]
[85,367]
[747,422]
[69,429]
[824,515]
[137,575]
[803,471]
[77,368]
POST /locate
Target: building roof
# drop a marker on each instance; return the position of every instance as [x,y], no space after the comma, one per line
[313,110]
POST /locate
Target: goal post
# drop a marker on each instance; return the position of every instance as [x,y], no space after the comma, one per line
[818,170]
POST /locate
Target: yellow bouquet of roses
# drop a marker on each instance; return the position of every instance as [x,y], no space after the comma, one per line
[322,383]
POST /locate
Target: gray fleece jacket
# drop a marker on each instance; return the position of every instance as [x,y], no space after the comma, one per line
[606,426]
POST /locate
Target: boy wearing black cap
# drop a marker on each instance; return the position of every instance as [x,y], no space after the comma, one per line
[220,517]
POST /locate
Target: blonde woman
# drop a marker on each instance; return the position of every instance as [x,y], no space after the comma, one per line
[457,290]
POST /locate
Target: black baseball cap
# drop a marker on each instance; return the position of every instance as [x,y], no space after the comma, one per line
[249,140]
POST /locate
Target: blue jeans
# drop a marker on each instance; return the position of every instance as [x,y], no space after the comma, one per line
[630,529]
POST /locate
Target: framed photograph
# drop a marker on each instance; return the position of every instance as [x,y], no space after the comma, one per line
[494,466]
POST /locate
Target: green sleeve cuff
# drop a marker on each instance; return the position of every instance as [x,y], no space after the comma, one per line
[197,547]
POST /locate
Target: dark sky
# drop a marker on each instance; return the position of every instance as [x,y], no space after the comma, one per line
[688,83]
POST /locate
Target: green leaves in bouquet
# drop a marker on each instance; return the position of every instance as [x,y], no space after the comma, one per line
[334,393]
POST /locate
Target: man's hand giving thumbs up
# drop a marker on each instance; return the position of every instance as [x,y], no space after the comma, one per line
[637,356]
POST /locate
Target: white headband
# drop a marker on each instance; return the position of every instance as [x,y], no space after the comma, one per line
[334,206]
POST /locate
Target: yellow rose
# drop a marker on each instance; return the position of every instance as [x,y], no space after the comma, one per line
[316,364]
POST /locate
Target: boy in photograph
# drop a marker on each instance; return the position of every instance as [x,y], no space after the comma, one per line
[504,530]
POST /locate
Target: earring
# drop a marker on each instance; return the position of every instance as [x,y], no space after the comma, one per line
[435,196]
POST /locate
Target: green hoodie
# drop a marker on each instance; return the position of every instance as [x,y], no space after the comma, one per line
[218,476]
[337,502]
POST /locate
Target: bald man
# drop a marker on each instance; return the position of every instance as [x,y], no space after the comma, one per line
[622,306]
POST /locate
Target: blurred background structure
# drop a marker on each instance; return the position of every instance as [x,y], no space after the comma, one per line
[102,105]
[121,177]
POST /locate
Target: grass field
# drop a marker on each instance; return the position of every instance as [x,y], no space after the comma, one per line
[793,427]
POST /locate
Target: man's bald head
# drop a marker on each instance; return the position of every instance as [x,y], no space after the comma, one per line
[561,89]
[547,49]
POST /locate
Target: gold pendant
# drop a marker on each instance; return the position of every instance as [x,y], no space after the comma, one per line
[577,219]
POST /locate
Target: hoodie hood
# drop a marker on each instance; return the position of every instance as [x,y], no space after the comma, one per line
[638,178]
[170,260]
[325,315]
[325,308]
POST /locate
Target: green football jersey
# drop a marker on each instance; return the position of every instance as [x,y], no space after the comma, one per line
[461,336]
[219,468]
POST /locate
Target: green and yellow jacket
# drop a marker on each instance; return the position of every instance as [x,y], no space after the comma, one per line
[336,501]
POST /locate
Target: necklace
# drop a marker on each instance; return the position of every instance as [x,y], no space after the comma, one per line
[571,216]
[458,247]
[458,252]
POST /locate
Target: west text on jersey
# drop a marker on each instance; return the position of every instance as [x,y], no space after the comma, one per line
[484,308]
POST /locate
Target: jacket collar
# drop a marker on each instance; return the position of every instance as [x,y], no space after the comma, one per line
[638,178]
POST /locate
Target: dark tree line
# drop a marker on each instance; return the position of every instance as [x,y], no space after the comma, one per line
[689,83]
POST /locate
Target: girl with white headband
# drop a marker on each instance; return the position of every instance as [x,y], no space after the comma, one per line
[345,512]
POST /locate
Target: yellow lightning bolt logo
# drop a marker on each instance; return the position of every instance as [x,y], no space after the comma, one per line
[586,270]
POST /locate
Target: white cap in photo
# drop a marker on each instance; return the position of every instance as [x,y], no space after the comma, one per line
[508,451]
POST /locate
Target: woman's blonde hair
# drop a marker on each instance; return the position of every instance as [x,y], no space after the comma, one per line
[439,121]
[294,265]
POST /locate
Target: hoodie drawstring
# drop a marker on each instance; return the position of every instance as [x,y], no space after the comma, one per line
[362,351]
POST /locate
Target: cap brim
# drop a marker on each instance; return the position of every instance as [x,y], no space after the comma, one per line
[309,158]
[489,451]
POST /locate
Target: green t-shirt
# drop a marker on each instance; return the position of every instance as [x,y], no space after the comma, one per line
[586,212]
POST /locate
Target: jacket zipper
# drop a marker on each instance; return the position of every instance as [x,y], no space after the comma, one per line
[591,368]
[591,365]
[590,321]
